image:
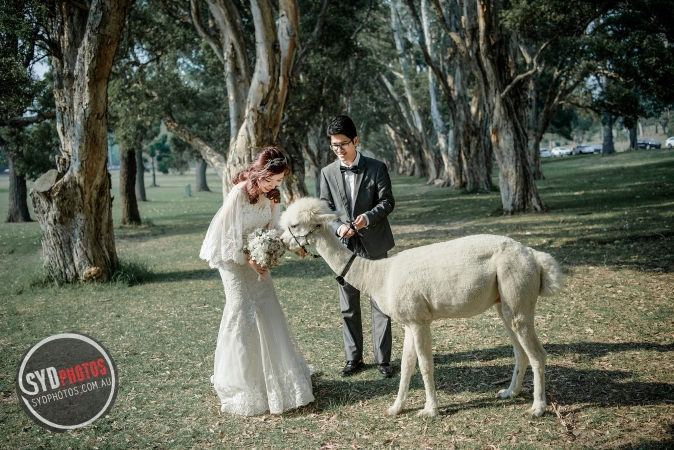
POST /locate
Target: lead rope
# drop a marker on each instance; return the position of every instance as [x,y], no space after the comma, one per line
[307,252]
[340,278]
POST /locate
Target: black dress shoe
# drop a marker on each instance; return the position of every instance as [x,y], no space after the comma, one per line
[386,370]
[352,367]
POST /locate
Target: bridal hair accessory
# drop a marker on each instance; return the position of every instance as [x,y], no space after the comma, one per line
[275,162]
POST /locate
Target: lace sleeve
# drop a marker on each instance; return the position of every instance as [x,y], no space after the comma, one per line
[224,240]
[274,223]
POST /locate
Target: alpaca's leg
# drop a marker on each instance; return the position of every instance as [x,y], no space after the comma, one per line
[407,363]
[422,342]
[521,359]
[532,346]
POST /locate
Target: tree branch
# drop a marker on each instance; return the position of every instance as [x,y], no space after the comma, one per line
[442,78]
[176,11]
[196,20]
[213,158]
[452,34]
[362,24]
[527,74]
[318,28]
[30,120]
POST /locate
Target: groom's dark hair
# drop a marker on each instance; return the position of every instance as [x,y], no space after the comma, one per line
[342,125]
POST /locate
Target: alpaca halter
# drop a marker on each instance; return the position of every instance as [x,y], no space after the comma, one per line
[305,240]
[340,278]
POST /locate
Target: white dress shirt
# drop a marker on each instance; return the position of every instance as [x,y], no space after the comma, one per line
[350,182]
[350,186]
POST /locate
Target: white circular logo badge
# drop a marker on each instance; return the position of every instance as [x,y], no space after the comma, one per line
[67,381]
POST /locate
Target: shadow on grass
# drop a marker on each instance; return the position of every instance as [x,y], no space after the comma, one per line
[587,350]
[183,275]
[648,444]
[591,387]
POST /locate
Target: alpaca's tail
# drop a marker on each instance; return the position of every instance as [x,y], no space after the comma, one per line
[552,278]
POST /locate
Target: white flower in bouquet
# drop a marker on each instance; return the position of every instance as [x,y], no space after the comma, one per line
[265,247]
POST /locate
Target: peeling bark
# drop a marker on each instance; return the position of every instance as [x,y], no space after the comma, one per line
[73,203]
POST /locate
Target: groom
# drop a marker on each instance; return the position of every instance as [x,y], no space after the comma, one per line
[360,189]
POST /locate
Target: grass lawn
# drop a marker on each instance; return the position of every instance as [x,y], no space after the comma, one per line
[609,335]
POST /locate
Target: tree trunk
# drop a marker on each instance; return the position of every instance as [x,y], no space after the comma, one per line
[476,154]
[451,166]
[202,186]
[607,146]
[73,203]
[293,184]
[633,138]
[140,176]
[411,142]
[432,159]
[532,131]
[127,187]
[508,113]
[317,151]
[404,160]
[18,204]
[256,98]
[154,174]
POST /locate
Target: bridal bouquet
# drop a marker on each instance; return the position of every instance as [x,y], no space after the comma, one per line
[265,247]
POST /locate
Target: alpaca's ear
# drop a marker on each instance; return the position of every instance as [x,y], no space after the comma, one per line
[323,218]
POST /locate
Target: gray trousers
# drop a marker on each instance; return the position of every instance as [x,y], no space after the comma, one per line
[352,324]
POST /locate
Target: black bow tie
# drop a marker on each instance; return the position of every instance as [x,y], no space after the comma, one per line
[353,169]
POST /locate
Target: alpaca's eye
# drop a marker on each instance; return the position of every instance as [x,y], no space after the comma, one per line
[294,225]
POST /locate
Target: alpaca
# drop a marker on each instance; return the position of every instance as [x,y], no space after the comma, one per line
[459,278]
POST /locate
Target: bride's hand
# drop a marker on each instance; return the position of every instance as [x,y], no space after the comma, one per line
[261,270]
[300,252]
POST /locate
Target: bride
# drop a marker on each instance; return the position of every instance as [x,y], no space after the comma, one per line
[258,366]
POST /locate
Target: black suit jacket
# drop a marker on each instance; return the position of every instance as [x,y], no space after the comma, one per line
[374,199]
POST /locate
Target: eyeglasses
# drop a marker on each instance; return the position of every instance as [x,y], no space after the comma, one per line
[343,146]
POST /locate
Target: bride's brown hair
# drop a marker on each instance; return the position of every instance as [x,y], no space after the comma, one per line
[269,162]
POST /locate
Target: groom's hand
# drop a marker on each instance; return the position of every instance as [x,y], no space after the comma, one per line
[300,252]
[360,222]
[345,232]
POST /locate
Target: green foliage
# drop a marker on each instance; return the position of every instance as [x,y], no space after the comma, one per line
[39,144]
[19,50]
[161,150]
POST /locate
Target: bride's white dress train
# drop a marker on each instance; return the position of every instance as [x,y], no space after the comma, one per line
[258,366]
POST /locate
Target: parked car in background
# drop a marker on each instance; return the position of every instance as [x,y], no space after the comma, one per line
[669,143]
[560,151]
[648,143]
[597,148]
[545,153]
[583,149]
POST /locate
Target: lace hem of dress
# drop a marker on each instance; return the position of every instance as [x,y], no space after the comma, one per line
[281,393]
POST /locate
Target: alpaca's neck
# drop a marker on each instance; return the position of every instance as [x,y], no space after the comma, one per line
[364,274]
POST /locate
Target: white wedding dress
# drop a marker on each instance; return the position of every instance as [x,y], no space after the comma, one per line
[258,366]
